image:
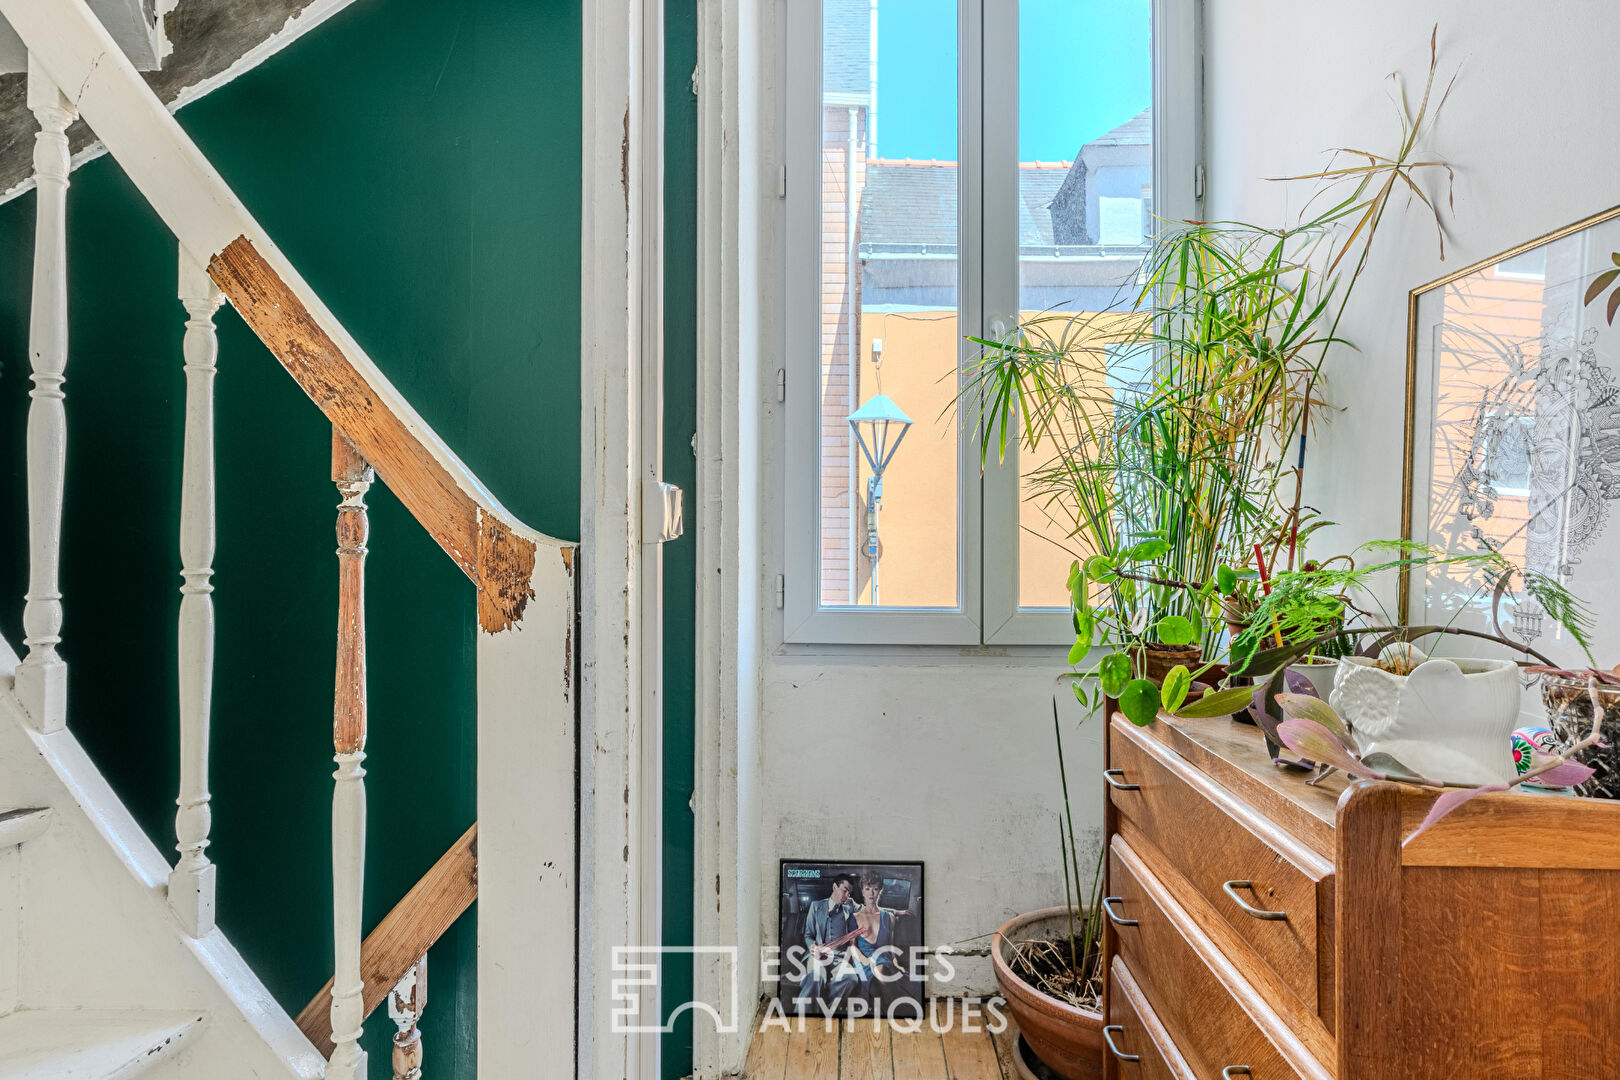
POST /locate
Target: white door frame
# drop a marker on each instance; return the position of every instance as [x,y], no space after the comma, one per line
[621,322]
[737,214]
[650,763]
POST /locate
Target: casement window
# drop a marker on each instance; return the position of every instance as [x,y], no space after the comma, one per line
[954,166]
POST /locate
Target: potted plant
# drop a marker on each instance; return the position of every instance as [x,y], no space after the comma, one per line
[1575,699]
[1166,424]
[1048,963]
[1314,731]
[1450,716]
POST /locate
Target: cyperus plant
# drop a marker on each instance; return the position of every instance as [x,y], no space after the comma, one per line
[1160,429]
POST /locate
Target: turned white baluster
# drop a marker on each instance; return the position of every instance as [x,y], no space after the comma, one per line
[191,884]
[352,476]
[405,1004]
[42,675]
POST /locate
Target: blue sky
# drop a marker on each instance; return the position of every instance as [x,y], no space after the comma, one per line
[1084,66]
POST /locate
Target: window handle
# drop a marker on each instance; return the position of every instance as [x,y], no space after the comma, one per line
[1108,903]
[1115,780]
[1108,1037]
[1230,888]
[1235,1070]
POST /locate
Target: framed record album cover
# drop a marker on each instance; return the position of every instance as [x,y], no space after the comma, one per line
[851,937]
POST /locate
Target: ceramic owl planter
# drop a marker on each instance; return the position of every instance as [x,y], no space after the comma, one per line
[1452,719]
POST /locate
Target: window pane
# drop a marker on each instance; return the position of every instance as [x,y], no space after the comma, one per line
[890,333]
[1085,202]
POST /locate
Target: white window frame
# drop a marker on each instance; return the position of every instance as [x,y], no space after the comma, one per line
[987,512]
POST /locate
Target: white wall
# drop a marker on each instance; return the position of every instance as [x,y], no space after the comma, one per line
[947,757]
[1528,127]
[940,755]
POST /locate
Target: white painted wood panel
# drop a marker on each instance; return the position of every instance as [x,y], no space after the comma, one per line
[736,116]
[611,461]
[10,925]
[528,868]
[73,1044]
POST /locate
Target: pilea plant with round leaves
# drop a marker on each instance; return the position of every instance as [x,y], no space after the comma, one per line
[1107,614]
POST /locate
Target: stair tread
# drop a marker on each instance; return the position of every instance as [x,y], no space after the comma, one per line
[89,1044]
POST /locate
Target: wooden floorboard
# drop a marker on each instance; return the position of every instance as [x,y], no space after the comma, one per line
[767,1055]
[970,1054]
[1004,1041]
[919,1055]
[868,1050]
[864,1053]
[813,1052]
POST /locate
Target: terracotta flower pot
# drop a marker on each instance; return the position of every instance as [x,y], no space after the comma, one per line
[1157,660]
[1068,1040]
[1235,614]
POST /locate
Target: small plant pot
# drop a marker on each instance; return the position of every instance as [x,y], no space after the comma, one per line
[1157,660]
[1236,614]
[1569,714]
[1451,718]
[1321,673]
[1068,1040]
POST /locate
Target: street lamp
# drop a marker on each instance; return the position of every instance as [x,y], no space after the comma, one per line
[879,425]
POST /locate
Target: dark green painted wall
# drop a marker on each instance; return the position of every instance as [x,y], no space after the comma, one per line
[680,468]
[419,162]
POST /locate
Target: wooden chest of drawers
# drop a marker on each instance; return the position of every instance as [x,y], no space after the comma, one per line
[1261,927]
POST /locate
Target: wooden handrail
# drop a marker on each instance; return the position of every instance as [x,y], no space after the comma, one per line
[495,550]
[442,494]
[405,934]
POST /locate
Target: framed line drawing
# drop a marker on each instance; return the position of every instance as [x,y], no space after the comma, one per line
[1513,431]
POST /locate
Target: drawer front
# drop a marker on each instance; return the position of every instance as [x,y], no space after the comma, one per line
[1136,1032]
[1181,813]
[1166,954]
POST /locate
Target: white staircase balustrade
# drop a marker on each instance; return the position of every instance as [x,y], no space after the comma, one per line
[405,1004]
[526,860]
[191,885]
[42,675]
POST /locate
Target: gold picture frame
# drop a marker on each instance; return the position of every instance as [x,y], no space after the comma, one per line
[1485,270]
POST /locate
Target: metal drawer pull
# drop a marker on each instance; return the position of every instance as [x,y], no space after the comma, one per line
[1117,920]
[1230,889]
[1112,776]
[1108,1037]
[1235,1070]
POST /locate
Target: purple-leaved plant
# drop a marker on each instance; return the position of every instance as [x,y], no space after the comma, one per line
[1314,731]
